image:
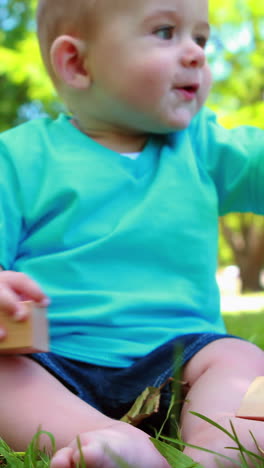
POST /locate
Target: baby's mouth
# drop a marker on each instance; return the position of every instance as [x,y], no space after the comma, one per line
[188,92]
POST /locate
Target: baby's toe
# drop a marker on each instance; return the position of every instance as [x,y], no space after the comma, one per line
[95,454]
[62,458]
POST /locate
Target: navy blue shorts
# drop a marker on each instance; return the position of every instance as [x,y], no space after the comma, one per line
[113,390]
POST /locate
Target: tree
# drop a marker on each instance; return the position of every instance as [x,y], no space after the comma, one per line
[11,32]
[244,234]
[241,57]
[25,89]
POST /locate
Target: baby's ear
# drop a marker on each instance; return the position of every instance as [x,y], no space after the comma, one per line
[68,58]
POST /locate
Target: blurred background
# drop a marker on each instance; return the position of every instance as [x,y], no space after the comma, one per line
[235,53]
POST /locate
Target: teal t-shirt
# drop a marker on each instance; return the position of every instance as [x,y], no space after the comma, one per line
[126,249]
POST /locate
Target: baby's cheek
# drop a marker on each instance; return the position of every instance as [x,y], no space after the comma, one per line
[150,92]
[206,82]
[151,79]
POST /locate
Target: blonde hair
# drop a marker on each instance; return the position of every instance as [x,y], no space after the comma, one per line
[56,17]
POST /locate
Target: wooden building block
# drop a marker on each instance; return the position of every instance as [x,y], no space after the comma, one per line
[252,405]
[29,336]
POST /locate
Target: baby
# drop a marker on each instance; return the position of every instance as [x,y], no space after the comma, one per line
[111,215]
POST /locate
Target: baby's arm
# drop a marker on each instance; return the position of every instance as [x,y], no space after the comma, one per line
[14,288]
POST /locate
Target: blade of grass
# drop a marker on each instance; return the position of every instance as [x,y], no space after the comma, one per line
[185,444]
[176,394]
[174,457]
[81,463]
[215,424]
[33,451]
[256,443]
[233,436]
[168,415]
[239,445]
[243,450]
[10,457]
[119,461]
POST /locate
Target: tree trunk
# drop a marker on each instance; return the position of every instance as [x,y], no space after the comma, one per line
[247,245]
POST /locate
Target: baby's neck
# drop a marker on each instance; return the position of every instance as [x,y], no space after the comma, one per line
[119,142]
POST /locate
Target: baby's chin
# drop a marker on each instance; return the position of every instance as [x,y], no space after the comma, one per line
[178,120]
[177,126]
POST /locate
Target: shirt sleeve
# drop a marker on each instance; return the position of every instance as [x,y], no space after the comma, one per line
[235,161]
[10,210]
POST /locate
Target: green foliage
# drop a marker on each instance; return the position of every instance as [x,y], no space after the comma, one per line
[237,97]
[23,80]
[15,20]
[247,459]
[233,97]
[24,64]
[248,325]
[32,458]
[174,457]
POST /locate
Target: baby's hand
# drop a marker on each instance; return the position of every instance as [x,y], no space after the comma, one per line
[14,288]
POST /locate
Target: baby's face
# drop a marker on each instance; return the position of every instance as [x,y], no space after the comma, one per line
[148,64]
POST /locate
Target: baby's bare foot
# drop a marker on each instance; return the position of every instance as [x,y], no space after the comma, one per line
[100,447]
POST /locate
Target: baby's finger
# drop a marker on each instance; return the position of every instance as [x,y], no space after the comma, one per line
[10,304]
[3,333]
[24,287]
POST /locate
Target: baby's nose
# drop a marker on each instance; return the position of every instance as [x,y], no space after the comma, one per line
[192,55]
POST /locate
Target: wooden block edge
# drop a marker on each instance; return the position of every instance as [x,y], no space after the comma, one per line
[37,338]
[249,407]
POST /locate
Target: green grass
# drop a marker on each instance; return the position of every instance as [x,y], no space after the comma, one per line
[247,324]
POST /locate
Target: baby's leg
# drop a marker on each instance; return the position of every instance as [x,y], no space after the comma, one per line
[219,375]
[31,397]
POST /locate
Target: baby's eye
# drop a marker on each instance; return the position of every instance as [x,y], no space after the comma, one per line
[201,41]
[165,32]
